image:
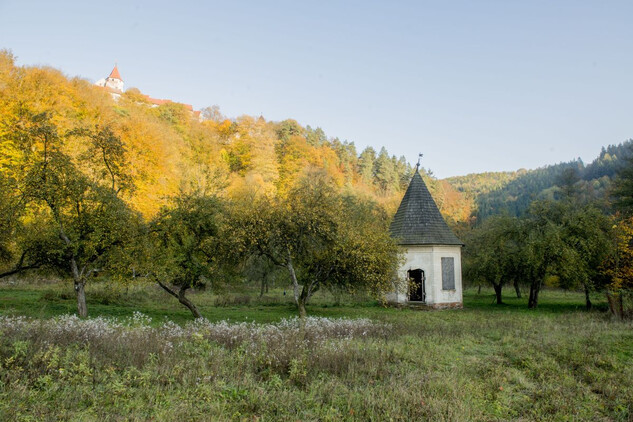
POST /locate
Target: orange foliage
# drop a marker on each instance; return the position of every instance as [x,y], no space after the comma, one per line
[168,150]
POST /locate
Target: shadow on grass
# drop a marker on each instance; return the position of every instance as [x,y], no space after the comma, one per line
[48,301]
[550,301]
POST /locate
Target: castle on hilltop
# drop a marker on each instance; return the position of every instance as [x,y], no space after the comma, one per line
[114,85]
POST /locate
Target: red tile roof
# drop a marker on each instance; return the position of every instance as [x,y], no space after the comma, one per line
[115,74]
[158,101]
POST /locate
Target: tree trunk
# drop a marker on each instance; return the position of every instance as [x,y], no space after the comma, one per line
[295,282]
[517,289]
[588,303]
[302,308]
[498,288]
[181,298]
[479,290]
[80,289]
[615,304]
[534,291]
[189,304]
[303,301]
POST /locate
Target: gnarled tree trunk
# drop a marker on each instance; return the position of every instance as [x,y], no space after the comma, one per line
[616,304]
[302,308]
[82,307]
[189,304]
[80,288]
[180,295]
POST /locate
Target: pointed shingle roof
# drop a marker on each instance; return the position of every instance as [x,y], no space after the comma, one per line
[115,73]
[418,220]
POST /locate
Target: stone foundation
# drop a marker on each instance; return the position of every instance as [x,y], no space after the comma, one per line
[428,306]
[452,305]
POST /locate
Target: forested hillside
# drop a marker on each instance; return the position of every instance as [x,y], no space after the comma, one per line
[168,150]
[510,193]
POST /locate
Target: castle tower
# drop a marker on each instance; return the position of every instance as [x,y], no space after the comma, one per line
[114,81]
[431,274]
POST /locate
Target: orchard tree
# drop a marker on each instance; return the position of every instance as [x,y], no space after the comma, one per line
[322,239]
[560,239]
[493,252]
[586,233]
[184,250]
[618,268]
[567,240]
[88,219]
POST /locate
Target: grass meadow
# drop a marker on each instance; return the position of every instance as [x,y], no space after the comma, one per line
[142,357]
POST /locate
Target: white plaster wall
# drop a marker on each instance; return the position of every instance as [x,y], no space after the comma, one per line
[447,296]
[429,260]
[114,83]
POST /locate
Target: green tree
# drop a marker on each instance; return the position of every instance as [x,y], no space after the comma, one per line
[320,238]
[288,128]
[566,240]
[366,163]
[385,173]
[492,253]
[586,233]
[184,249]
[623,187]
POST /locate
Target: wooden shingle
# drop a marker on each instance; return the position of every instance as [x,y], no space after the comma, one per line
[418,220]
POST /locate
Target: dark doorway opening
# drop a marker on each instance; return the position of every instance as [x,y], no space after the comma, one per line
[417,293]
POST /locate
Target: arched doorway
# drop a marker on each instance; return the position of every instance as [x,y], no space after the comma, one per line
[417,292]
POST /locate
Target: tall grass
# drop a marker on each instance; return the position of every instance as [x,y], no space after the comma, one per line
[452,365]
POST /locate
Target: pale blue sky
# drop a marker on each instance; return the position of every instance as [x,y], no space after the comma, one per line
[474,85]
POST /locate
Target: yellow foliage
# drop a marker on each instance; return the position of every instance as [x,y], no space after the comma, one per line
[620,267]
[168,150]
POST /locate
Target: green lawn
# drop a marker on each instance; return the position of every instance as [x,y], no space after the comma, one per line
[45,300]
[485,362]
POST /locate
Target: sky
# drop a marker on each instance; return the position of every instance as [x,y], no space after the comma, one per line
[473,85]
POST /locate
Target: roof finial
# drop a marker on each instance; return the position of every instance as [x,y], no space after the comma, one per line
[417,166]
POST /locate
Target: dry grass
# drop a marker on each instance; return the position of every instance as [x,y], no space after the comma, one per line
[482,363]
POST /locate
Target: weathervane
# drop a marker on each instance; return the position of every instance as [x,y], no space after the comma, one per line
[417,166]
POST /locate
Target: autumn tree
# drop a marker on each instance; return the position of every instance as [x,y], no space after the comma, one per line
[618,268]
[85,214]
